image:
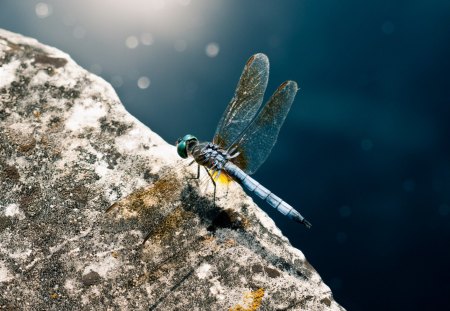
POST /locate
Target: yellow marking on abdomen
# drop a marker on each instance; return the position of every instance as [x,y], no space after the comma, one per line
[224,178]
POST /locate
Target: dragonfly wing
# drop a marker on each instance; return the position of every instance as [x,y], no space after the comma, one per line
[246,101]
[256,142]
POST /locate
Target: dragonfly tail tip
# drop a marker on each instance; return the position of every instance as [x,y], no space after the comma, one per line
[302,220]
[307,223]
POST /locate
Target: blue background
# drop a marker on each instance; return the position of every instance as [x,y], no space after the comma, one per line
[364,152]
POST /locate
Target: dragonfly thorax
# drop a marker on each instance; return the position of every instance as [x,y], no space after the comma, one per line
[210,155]
[207,154]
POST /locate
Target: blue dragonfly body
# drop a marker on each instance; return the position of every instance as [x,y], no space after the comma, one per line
[246,134]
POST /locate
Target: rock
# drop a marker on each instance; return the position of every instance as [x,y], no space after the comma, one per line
[68,151]
[91,278]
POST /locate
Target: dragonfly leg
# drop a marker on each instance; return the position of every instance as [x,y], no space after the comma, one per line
[232,149]
[214,184]
[218,174]
[198,172]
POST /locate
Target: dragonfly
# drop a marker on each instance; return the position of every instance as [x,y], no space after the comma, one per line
[246,134]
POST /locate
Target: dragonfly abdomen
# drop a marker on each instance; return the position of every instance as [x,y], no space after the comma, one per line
[264,193]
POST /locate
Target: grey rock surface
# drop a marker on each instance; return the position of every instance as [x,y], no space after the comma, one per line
[68,151]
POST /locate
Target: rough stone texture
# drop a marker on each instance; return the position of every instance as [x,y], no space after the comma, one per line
[68,150]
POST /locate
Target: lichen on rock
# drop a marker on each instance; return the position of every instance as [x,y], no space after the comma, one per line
[68,151]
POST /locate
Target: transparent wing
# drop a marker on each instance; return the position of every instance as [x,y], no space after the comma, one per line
[246,101]
[256,142]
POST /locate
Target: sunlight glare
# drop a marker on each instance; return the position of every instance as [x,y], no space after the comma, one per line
[168,18]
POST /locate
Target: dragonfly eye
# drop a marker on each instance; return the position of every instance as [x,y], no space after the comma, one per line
[183,143]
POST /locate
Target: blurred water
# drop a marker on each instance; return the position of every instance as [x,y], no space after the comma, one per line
[364,153]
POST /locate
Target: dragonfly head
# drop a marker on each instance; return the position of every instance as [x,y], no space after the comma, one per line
[184,143]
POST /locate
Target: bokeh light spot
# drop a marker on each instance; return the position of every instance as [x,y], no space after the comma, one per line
[147,38]
[212,49]
[43,10]
[143,82]
[366,144]
[131,42]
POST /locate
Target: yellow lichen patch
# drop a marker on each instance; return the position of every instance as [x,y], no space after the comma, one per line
[54,296]
[252,301]
[159,193]
[170,223]
[115,254]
